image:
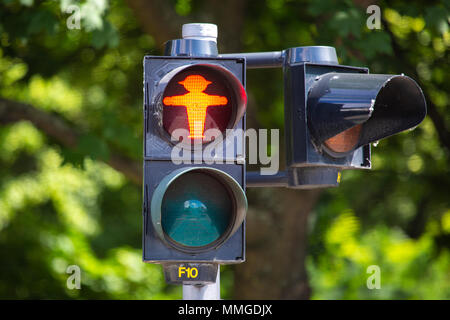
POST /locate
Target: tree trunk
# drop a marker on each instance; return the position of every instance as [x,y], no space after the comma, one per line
[276,245]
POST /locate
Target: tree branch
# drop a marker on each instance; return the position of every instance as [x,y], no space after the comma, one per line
[56,128]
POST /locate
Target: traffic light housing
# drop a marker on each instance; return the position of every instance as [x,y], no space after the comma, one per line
[194,160]
[194,203]
[333,113]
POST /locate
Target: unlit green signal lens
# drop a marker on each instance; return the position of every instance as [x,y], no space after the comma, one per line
[196,209]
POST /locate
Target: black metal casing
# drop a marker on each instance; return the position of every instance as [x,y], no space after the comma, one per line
[300,149]
[157,162]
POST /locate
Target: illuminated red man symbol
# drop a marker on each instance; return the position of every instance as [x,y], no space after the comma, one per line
[196,103]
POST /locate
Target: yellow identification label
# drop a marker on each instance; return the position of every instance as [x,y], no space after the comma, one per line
[189,272]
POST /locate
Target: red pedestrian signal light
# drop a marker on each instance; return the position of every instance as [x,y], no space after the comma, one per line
[199,98]
[196,102]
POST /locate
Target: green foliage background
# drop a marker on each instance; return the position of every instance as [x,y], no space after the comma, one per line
[61,206]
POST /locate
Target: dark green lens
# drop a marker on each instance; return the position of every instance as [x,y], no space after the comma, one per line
[196,209]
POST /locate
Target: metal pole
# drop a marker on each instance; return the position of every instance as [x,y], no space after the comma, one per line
[255,179]
[255,60]
[203,292]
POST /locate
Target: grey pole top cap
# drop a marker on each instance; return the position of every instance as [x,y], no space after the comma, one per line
[200,31]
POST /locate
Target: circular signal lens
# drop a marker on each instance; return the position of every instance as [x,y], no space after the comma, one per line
[196,210]
[197,99]
[345,141]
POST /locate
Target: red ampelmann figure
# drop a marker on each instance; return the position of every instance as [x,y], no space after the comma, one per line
[196,103]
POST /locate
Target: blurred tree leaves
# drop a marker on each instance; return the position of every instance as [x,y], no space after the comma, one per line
[66,207]
[107,36]
[93,146]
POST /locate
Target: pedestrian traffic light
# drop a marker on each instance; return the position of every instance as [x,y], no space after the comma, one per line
[194,204]
[333,113]
[194,162]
